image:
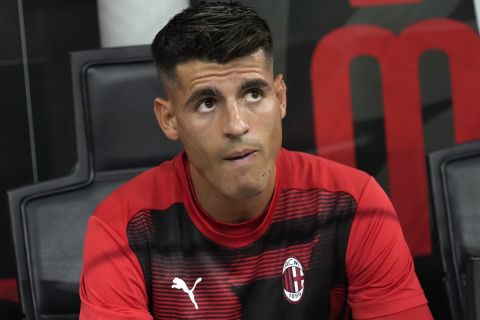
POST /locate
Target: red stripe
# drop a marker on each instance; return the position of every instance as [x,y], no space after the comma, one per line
[292,279]
[185,308]
[289,279]
[285,280]
[8,290]
[291,287]
[242,273]
[272,258]
[202,305]
[313,202]
[305,195]
[322,202]
[197,314]
[310,209]
[219,295]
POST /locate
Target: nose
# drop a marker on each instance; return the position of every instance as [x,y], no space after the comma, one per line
[235,121]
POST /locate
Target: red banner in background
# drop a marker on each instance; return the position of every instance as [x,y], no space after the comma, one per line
[398,57]
[8,290]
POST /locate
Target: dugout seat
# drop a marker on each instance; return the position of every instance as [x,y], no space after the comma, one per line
[455,193]
[117,137]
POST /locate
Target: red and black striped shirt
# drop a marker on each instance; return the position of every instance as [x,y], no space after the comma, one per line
[328,247]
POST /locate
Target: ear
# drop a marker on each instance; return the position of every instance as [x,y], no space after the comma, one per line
[281,93]
[166,118]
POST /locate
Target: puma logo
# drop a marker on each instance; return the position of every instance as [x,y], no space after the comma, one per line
[180,284]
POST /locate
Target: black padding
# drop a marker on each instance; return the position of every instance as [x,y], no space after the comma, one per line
[473,288]
[455,193]
[55,229]
[462,185]
[116,138]
[125,133]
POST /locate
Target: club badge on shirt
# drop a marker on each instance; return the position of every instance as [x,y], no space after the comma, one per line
[293,280]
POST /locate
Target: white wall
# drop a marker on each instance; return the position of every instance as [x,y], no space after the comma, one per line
[477,12]
[134,22]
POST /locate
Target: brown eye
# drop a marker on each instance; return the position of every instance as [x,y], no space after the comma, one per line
[253,96]
[206,105]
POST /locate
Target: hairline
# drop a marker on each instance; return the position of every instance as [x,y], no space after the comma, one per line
[171,77]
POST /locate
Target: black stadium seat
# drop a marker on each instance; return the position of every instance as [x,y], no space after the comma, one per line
[455,191]
[117,137]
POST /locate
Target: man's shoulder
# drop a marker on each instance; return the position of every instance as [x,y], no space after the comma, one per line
[305,170]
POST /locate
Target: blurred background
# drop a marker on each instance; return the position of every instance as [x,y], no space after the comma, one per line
[379,105]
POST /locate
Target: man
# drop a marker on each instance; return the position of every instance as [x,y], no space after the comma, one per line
[235,227]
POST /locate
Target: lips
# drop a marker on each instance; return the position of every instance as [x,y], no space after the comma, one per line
[239,155]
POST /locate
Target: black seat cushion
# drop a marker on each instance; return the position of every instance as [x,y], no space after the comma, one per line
[124,132]
[55,230]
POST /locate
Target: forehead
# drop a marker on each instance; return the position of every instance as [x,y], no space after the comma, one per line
[196,73]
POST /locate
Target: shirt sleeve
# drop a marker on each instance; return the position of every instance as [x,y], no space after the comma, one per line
[112,284]
[379,266]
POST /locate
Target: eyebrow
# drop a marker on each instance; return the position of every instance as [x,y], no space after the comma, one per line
[212,91]
[201,93]
[253,83]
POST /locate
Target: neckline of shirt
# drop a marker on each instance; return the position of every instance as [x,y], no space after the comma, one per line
[233,235]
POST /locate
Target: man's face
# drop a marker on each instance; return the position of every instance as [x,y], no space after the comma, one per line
[228,118]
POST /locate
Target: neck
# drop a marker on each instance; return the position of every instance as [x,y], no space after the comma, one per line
[229,209]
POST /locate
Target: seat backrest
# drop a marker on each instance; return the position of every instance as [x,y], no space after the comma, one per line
[117,137]
[455,191]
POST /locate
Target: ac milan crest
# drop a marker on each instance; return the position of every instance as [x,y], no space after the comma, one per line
[293,280]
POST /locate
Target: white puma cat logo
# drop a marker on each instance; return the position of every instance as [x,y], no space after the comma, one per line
[180,284]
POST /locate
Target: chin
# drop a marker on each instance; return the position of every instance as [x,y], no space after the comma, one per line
[247,191]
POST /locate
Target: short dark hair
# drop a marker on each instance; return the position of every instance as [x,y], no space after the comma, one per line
[217,32]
